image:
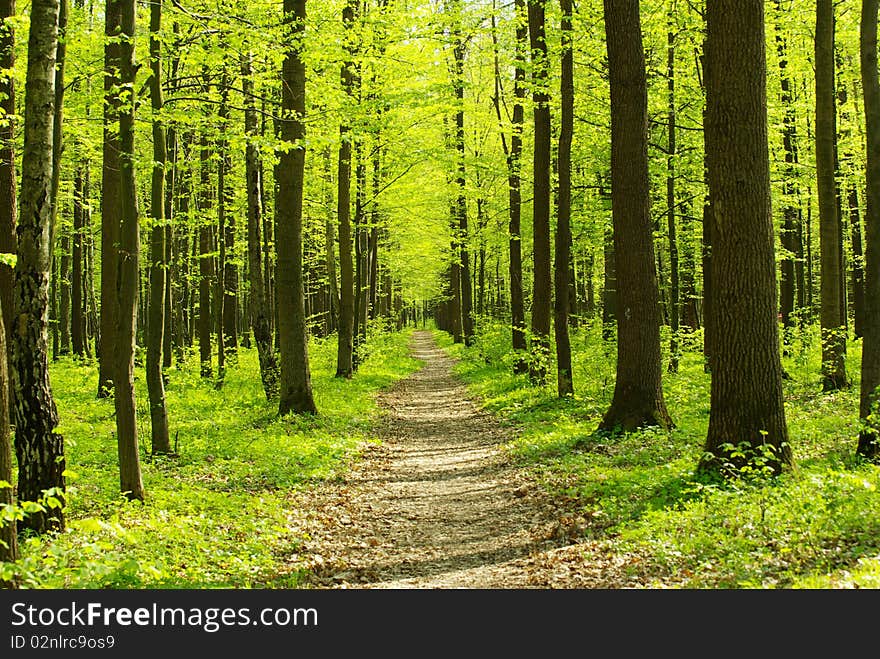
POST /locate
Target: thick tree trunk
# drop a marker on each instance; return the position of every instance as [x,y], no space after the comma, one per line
[259,310]
[638,394]
[295,393]
[564,380]
[127,271]
[160,439]
[39,449]
[746,391]
[541,288]
[110,198]
[869,437]
[833,331]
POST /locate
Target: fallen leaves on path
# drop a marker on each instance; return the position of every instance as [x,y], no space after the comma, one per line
[438,505]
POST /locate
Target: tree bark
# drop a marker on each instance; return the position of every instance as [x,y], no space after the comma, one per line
[8,527]
[671,156]
[160,439]
[127,270]
[514,157]
[746,391]
[564,380]
[296,388]
[541,288]
[8,187]
[345,345]
[460,243]
[63,287]
[833,331]
[230,269]
[259,310]
[206,262]
[791,210]
[77,311]
[110,198]
[869,437]
[638,394]
[39,449]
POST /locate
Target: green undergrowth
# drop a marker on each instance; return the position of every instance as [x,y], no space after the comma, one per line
[815,526]
[219,514]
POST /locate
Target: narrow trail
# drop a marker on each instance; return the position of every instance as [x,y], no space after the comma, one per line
[438,504]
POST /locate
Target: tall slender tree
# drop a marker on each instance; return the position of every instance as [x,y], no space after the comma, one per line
[127,265]
[746,390]
[296,387]
[869,437]
[460,227]
[638,393]
[160,439]
[259,309]
[110,197]
[513,156]
[8,187]
[345,333]
[39,449]
[541,288]
[8,526]
[564,381]
[833,330]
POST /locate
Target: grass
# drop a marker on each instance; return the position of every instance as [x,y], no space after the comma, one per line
[815,526]
[221,514]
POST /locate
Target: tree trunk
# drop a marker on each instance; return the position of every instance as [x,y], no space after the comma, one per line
[230,269]
[63,287]
[513,157]
[833,332]
[671,156]
[77,315]
[541,288]
[58,131]
[638,394]
[8,187]
[296,387]
[329,243]
[791,211]
[564,381]
[259,310]
[110,198]
[869,437]
[8,527]
[127,271]
[461,230]
[345,346]
[746,391]
[206,262]
[160,439]
[39,450]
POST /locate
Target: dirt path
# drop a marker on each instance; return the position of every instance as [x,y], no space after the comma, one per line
[438,505]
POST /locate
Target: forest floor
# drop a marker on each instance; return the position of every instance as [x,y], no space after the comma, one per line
[439,504]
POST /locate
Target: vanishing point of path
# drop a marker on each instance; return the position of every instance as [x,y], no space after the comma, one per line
[439,505]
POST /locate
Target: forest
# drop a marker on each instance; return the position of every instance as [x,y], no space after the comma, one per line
[439,293]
